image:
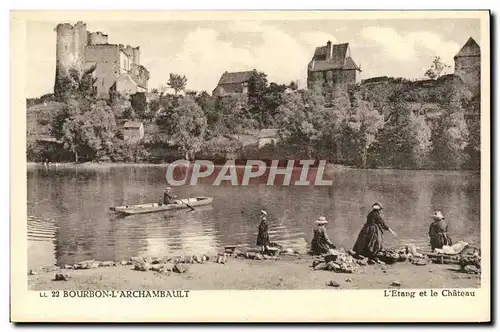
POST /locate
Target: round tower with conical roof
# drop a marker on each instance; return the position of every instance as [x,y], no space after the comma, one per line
[468,65]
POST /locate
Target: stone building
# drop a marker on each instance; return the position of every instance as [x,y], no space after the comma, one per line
[267,136]
[133,131]
[116,66]
[233,83]
[468,65]
[332,65]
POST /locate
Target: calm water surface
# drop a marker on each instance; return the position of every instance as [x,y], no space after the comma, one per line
[77,199]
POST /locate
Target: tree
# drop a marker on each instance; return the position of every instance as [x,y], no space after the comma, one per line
[139,104]
[436,69]
[450,136]
[86,83]
[404,142]
[231,116]
[177,82]
[335,115]
[271,99]
[420,132]
[473,148]
[120,105]
[191,93]
[187,127]
[208,105]
[361,127]
[89,132]
[70,109]
[257,87]
[75,85]
[300,121]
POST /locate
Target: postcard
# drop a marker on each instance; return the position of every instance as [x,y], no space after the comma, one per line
[250,166]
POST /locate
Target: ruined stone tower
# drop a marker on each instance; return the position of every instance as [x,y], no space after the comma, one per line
[468,65]
[70,48]
[114,66]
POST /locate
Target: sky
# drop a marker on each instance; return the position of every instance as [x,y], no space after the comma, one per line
[203,50]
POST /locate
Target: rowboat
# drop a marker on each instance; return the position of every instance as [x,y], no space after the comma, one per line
[157,207]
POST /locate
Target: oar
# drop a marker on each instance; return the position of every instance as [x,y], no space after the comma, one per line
[189,206]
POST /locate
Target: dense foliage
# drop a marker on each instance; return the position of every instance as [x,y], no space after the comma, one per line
[382,122]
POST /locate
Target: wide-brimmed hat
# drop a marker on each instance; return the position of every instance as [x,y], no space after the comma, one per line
[321,221]
[264,212]
[168,188]
[377,206]
[437,215]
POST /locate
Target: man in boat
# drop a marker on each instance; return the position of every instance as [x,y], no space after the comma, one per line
[168,198]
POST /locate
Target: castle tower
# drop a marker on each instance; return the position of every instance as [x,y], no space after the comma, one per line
[468,65]
[70,49]
[136,61]
[97,38]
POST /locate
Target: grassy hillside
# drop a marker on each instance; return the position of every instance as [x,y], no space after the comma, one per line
[40,116]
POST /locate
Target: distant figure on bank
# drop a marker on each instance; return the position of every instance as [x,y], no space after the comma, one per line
[263,236]
[320,243]
[371,237]
[168,198]
[438,232]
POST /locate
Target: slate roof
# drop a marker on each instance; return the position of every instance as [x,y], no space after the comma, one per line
[470,48]
[350,64]
[339,59]
[338,51]
[235,77]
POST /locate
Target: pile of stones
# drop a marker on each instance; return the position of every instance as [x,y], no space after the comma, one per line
[338,261]
[407,254]
[272,253]
[177,264]
[470,263]
[342,261]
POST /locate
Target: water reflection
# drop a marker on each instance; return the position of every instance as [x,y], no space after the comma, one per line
[41,242]
[77,200]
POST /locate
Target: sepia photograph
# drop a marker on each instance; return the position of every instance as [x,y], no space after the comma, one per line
[163,157]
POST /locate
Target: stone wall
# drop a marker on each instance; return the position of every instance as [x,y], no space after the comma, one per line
[96,38]
[126,85]
[331,77]
[106,59]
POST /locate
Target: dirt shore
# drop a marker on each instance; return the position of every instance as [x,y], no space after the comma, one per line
[241,274]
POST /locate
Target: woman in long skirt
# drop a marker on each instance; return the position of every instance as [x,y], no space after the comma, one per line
[371,237]
[438,232]
[320,243]
[263,236]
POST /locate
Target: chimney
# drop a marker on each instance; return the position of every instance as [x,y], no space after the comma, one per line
[328,49]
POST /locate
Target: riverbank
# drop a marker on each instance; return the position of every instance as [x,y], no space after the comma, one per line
[328,167]
[287,273]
